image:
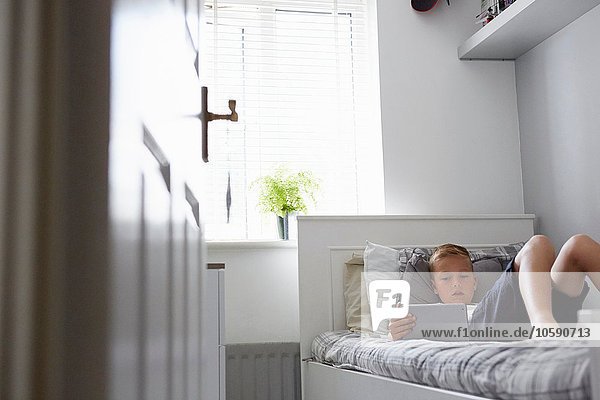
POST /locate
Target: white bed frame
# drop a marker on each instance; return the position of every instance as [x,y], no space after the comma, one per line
[326,242]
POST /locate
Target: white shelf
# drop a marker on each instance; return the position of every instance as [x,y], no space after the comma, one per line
[521,27]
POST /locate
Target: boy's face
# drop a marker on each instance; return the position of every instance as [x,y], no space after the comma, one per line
[453,280]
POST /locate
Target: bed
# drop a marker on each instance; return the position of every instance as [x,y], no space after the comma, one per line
[325,243]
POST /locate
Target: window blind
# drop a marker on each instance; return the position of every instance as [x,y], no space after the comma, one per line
[299,70]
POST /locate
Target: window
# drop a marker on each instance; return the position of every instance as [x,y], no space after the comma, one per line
[302,74]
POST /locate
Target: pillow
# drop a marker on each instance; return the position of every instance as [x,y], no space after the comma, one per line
[502,253]
[381,262]
[418,276]
[355,295]
[376,262]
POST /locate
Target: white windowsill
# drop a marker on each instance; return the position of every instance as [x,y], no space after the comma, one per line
[251,244]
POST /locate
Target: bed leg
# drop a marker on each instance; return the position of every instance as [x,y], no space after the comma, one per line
[595,372]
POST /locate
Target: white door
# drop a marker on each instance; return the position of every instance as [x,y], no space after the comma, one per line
[155,204]
[101,255]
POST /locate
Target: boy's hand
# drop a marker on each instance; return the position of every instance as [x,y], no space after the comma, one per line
[400,327]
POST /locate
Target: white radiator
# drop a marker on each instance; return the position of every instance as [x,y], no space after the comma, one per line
[263,371]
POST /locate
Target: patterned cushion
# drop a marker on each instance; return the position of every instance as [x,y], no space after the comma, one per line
[501,253]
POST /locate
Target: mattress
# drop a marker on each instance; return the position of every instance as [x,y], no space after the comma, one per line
[526,370]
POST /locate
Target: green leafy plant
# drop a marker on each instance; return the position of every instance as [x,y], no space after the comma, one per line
[284,192]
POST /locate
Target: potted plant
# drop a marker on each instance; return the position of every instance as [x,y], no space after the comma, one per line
[284,192]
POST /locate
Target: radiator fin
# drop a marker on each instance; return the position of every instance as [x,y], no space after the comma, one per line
[263,371]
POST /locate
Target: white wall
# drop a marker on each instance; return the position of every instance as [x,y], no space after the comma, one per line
[261,293]
[558,89]
[450,127]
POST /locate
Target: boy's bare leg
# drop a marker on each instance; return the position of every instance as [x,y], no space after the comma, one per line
[579,256]
[534,263]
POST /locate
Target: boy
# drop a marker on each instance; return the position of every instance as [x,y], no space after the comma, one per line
[554,294]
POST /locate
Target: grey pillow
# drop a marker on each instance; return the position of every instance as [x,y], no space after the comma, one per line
[417,275]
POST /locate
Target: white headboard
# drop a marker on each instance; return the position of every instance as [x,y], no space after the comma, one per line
[326,242]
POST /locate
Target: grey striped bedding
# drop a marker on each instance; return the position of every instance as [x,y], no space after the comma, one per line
[483,369]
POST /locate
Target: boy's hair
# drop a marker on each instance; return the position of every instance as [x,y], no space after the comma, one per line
[447,250]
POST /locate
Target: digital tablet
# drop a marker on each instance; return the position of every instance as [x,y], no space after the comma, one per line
[439,321]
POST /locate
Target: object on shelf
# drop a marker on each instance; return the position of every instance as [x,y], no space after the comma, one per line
[491,9]
[485,16]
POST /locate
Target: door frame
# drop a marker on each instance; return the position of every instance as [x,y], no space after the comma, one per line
[54,136]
